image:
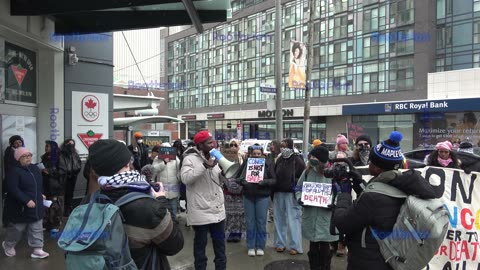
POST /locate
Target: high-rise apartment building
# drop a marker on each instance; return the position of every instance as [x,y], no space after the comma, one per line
[364,51]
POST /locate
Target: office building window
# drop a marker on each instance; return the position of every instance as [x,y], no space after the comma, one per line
[338,53]
[337,6]
[476,60]
[402,12]
[476,5]
[374,19]
[402,41]
[476,32]
[338,27]
[402,74]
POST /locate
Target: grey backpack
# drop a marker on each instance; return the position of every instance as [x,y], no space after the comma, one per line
[94,237]
[419,231]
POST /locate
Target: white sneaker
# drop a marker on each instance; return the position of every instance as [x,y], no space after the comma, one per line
[251,252]
[38,253]
[260,252]
[10,252]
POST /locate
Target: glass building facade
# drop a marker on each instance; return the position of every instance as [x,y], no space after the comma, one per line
[360,47]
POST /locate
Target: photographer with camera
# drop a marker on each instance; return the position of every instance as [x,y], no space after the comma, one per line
[363,145]
[375,210]
[316,220]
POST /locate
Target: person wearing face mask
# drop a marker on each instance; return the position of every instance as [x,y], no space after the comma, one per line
[288,212]
[139,151]
[316,220]
[69,165]
[443,156]
[342,146]
[363,143]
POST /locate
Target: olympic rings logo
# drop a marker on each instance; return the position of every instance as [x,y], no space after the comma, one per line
[90,114]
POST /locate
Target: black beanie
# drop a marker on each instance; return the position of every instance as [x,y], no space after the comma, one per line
[388,154]
[364,137]
[107,157]
[321,153]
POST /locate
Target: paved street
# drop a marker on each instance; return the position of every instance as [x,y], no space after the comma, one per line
[236,254]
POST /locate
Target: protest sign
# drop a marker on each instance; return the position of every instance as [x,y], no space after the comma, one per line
[167,152]
[255,170]
[461,197]
[317,194]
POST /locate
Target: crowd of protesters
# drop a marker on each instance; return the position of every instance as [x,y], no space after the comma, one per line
[228,209]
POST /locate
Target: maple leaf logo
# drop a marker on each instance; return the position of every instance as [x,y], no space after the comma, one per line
[90,104]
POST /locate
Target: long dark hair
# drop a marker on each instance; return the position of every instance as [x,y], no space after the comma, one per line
[179,146]
[54,152]
[432,159]
[65,151]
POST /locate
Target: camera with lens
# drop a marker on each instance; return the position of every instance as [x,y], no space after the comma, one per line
[339,172]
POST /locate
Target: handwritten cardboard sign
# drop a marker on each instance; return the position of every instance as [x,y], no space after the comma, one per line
[317,194]
[167,152]
[255,170]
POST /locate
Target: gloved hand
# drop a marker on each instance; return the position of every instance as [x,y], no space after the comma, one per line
[343,186]
[467,170]
[262,183]
[355,176]
[300,203]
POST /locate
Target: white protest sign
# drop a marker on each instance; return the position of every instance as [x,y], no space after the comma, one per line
[317,194]
[255,170]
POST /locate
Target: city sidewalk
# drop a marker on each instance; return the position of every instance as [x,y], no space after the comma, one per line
[237,258]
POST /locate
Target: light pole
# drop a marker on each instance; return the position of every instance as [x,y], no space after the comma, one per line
[278,69]
[306,111]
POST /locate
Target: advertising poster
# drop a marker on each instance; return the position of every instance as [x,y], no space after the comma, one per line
[354,130]
[89,120]
[431,128]
[255,170]
[20,74]
[296,74]
[317,194]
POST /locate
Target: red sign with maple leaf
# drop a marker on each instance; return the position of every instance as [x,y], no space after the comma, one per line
[89,138]
[90,108]
[19,73]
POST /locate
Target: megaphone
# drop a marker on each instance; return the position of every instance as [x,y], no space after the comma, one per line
[228,167]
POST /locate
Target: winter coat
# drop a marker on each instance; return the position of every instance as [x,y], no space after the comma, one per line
[470,162]
[287,172]
[69,165]
[315,220]
[167,173]
[53,184]
[205,201]
[24,184]
[140,157]
[260,190]
[148,224]
[9,160]
[377,211]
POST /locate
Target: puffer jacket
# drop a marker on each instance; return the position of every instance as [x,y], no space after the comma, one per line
[205,201]
[149,225]
[24,184]
[470,162]
[287,172]
[377,211]
[315,220]
[167,173]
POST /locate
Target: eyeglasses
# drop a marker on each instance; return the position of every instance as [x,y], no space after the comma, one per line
[233,145]
[27,156]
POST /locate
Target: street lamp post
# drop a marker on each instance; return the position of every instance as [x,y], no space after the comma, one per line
[278,69]
[306,112]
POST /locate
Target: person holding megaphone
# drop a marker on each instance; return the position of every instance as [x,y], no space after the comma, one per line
[204,180]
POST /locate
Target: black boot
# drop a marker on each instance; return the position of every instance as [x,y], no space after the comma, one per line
[314,259]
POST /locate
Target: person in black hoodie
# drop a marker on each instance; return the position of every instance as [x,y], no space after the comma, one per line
[53,187]
[69,165]
[9,162]
[470,162]
[288,169]
[375,210]
[24,205]
[148,223]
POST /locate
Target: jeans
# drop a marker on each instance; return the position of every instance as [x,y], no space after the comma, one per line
[172,207]
[217,232]
[256,219]
[287,213]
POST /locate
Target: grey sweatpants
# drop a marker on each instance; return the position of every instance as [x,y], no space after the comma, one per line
[34,234]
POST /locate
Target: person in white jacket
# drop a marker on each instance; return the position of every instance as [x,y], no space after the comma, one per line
[166,171]
[206,205]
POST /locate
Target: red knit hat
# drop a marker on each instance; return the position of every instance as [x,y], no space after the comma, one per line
[201,137]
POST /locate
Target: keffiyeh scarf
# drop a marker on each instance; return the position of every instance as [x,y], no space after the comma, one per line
[131,179]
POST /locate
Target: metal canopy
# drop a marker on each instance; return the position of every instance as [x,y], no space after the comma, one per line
[98,16]
[125,103]
[131,121]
